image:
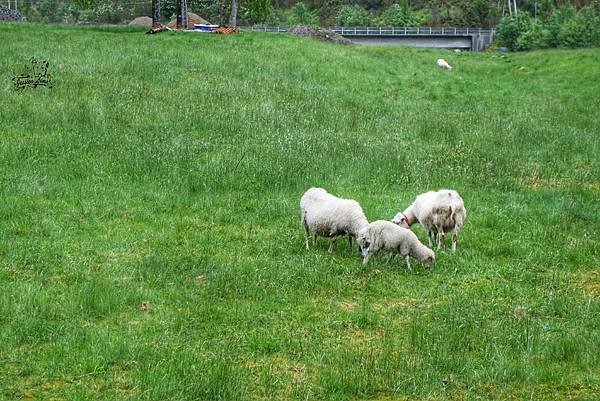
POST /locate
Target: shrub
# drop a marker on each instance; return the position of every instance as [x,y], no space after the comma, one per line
[537,37]
[300,14]
[400,15]
[353,16]
[574,32]
[252,12]
[108,12]
[555,21]
[510,28]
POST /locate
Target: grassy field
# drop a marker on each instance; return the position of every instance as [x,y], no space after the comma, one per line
[150,245]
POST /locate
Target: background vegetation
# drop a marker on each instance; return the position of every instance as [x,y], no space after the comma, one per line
[150,246]
[554,27]
[474,13]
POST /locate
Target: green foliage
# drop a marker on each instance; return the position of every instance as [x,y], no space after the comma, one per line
[108,11]
[253,11]
[510,28]
[400,15]
[479,13]
[536,37]
[353,15]
[300,14]
[564,27]
[86,15]
[67,13]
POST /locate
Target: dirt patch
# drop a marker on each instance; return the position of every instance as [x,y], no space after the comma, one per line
[318,33]
[145,21]
[347,305]
[589,282]
[192,19]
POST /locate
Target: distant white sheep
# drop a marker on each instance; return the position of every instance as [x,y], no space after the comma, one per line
[325,215]
[383,234]
[443,64]
[439,212]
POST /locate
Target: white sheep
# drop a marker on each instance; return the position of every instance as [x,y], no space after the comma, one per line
[325,215]
[439,212]
[383,234]
[443,64]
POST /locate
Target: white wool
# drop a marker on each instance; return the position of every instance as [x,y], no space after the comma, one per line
[325,215]
[438,212]
[443,64]
[383,234]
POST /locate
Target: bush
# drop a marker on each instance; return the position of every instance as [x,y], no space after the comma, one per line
[353,16]
[555,21]
[537,37]
[400,15]
[574,32]
[256,11]
[66,13]
[86,15]
[300,14]
[109,12]
[510,28]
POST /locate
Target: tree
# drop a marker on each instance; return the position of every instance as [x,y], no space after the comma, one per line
[155,13]
[233,15]
[182,20]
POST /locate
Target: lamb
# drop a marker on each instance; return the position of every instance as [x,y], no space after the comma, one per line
[439,212]
[443,64]
[325,215]
[384,234]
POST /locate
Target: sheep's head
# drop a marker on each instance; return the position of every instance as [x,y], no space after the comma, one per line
[428,257]
[401,220]
[364,241]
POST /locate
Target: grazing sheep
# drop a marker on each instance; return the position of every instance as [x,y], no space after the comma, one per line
[443,64]
[383,234]
[438,212]
[325,215]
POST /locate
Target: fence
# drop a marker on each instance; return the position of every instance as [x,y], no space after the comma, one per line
[393,31]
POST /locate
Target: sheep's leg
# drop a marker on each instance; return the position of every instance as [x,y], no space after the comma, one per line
[350,241]
[407,262]
[389,259]
[429,235]
[366,259]
[454,239]
[314,239]
[441,236]
[332,246]
[306,235]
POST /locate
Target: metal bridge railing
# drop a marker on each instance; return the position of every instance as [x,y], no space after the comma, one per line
[393,31]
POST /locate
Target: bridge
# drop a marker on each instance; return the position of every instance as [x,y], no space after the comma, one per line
[474,39]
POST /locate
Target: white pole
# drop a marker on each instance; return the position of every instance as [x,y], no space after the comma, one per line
[515,8]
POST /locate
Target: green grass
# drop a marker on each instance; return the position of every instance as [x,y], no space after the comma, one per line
[167,169]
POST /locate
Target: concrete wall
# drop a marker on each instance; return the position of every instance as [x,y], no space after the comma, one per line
[474,42]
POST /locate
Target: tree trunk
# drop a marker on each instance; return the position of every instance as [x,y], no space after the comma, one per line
[233,15]
[222,13]
[182,14]
[155,13]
